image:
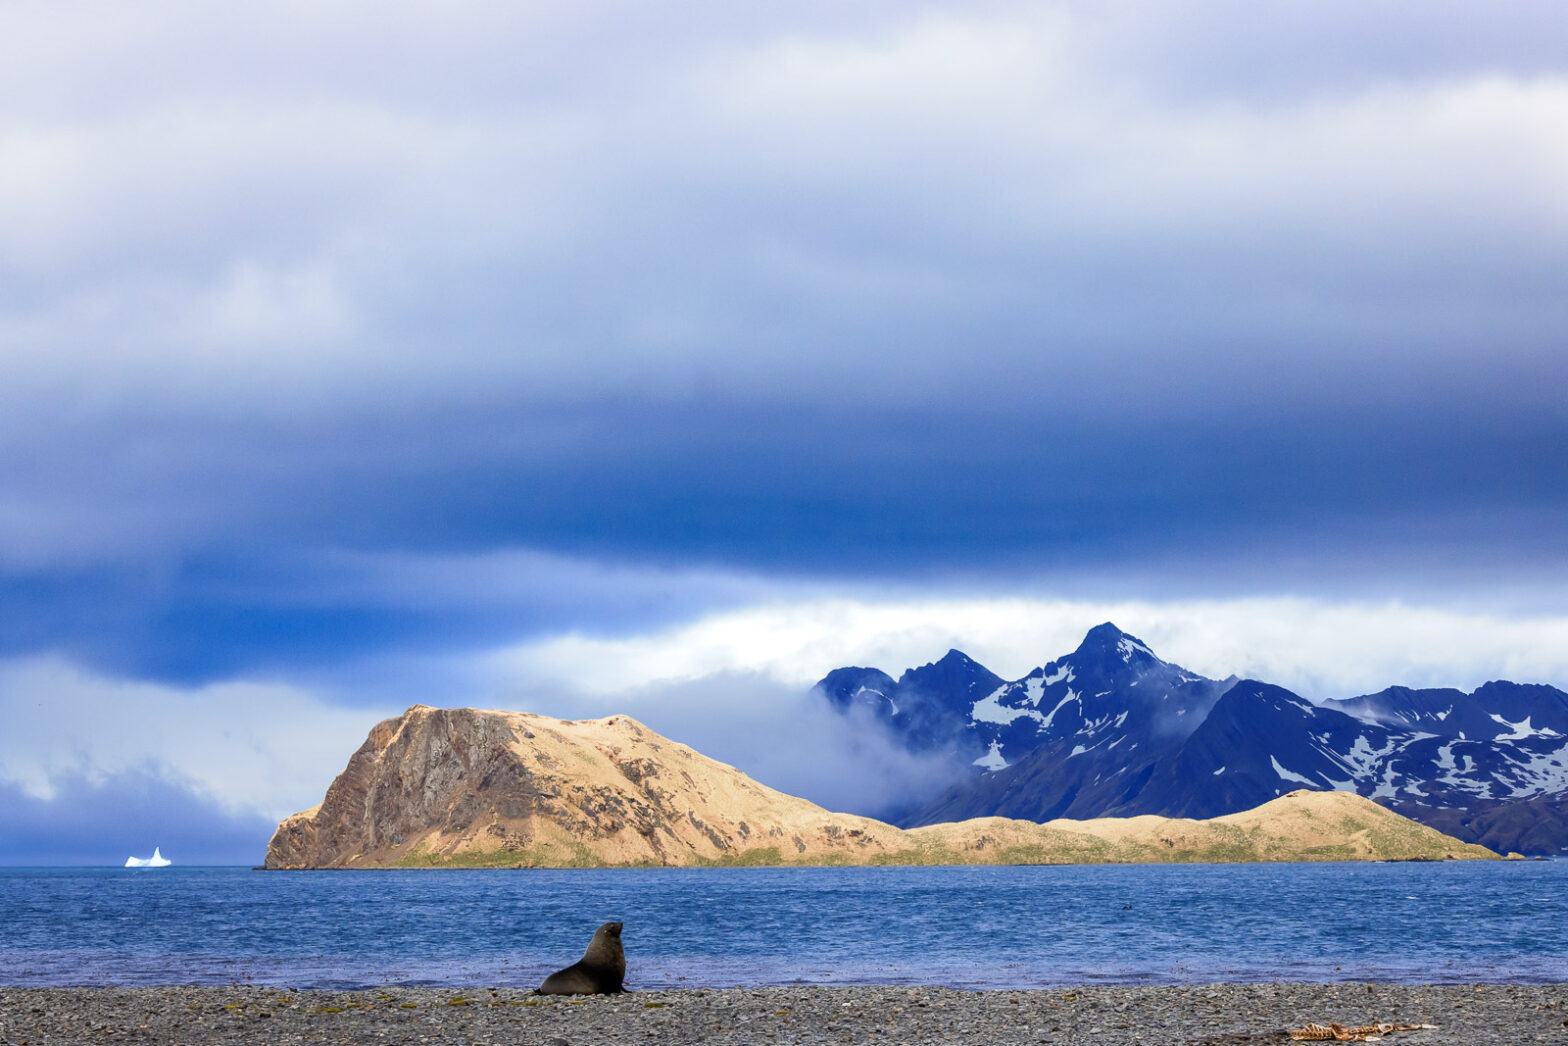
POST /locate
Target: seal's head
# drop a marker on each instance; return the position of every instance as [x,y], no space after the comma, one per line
[605,948]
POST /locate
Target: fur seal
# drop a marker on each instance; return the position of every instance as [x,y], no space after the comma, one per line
[599,972]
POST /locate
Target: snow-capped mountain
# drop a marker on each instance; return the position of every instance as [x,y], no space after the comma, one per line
[925,708]
[1109,692]
[1112,730]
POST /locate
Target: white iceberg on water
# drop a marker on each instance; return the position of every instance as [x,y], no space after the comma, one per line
[157,860]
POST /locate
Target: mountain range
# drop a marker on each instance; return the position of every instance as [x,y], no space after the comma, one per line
[1111,730]
[462,787]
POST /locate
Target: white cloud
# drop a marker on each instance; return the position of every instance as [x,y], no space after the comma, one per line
[935,164]
[254,748]
[1318,648]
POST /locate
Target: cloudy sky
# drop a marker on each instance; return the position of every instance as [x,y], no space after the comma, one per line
[660,357]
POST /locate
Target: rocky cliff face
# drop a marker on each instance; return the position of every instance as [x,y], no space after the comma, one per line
[437,786]
[462,787]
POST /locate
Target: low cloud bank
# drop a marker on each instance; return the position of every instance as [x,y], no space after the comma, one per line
[250,749]
[785,737]
[103,821]
[1318,648]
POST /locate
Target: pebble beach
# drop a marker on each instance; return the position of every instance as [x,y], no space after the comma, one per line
[1220,1015]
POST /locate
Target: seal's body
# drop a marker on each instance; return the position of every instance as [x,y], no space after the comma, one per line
[599,972]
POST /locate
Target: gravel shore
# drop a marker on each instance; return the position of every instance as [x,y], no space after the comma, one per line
[1219,1015]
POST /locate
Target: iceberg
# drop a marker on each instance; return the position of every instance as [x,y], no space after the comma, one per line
[157,860]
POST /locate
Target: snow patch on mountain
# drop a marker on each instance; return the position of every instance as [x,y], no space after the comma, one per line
[1535,773]
[1362,758]
[989,709]
[1034,689]
[1521,729]
[1388,787]
[1045,723]
[863,692]
[992,760]
[1289,775]
[1127,646]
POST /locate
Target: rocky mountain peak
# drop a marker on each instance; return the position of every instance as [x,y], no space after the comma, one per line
[1103,636]
[1109,645]
[955,671]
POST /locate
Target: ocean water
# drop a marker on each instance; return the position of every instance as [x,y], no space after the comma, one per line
[961,927]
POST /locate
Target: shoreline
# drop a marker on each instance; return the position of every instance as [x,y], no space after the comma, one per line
[710,865]
[1211,1015]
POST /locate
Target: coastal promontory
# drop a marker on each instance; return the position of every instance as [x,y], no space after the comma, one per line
[471,788]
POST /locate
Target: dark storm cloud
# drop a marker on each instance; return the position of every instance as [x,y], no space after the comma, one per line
[1246,496]
[671,309]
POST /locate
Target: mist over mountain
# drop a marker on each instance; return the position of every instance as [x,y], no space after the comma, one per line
[1112,730]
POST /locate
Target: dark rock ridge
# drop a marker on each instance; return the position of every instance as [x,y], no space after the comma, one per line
[1111,730]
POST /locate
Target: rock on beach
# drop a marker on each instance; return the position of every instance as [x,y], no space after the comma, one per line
[1210,1015]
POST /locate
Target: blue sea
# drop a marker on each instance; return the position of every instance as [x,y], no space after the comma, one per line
[963,927]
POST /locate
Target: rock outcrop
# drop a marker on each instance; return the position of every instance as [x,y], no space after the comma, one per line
[469,788]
